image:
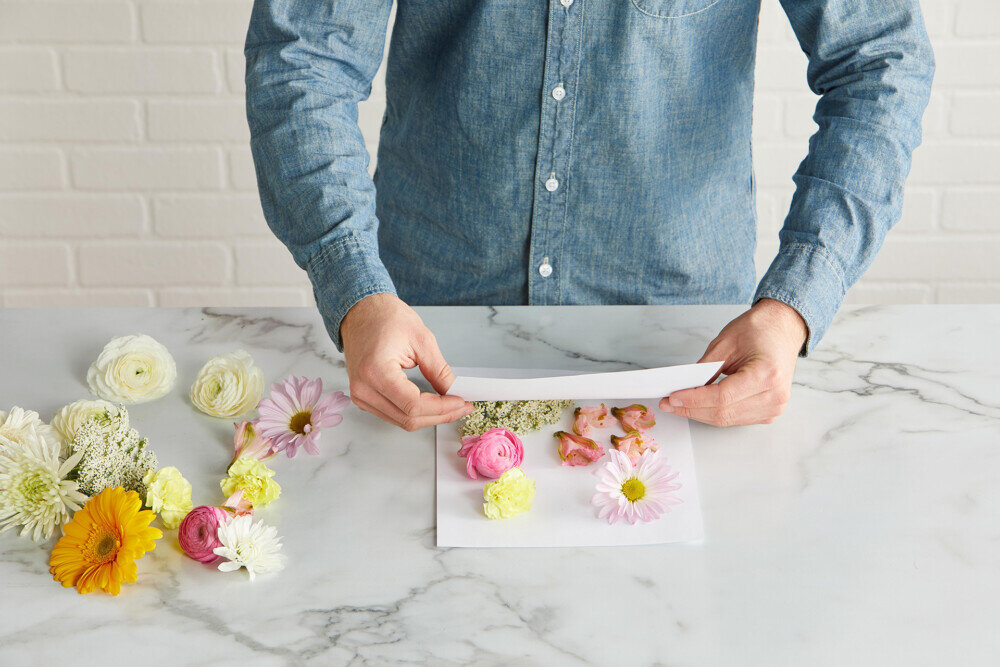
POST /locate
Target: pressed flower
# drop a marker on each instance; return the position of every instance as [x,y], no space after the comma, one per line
[576,450]
[228,385]
[586,419]
[20,425]
[198,533]
[635,417]
[641,492]
[508,496]
[250,443]
[168,494]
[634,443]
[100,545]
[296,412]
[69,418]
[492,453]
[132,369]
[254,479]
[254,546]
[518,416]
[34,493]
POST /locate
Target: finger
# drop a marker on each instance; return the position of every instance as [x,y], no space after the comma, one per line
[392,383]
[749,380]
[714,352]
[758,409]
[381,407]
[432,364]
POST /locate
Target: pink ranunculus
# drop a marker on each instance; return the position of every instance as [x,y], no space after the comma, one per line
[576,450]
[635,417]
[588,418]
[634,444]
[491,454]
[249,442]
[199,533]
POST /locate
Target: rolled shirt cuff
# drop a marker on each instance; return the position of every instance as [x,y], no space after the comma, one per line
[806,278]
[342,273]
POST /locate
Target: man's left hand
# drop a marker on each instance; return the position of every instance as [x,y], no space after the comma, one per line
[758,350]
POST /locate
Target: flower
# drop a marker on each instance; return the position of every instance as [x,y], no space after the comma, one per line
[492,453]
[20,426]
[508,496]
[34,493]
[586,419]
[113,454]
[168,494]
[295,413]
[228,385]
[251,444]
[237,505]
[250,545]
[132,369]
[635,492]
[70,417]
[634,443]
[576,450]
[198,533]
[100,545]
[518,416]
[635,417]
[254,479]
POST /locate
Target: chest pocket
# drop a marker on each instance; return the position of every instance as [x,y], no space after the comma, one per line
[672,9]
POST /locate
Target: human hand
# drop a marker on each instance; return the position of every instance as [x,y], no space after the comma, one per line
[758,350]
[382,336]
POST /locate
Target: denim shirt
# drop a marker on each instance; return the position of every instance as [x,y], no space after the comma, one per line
[575,151]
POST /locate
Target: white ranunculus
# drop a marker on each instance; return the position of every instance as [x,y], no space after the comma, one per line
[132,369]
[228,385]
[69,417]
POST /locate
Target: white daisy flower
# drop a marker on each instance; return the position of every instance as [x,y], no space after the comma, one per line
[33,491]
[251,545]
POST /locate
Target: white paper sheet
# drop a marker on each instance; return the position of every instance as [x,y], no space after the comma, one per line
[562,515]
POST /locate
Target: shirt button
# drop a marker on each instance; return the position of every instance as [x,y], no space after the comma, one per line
[545,269]
[552,184]
[566,3]
[558,92]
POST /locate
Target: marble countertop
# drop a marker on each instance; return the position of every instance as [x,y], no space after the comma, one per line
[862,528]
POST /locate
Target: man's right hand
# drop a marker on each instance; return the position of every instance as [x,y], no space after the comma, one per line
[382,336]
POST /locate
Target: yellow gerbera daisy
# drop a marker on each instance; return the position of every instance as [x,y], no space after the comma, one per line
[99,546]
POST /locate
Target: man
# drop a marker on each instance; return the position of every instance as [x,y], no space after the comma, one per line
[574,152]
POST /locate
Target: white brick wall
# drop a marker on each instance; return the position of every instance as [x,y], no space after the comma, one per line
[126,179]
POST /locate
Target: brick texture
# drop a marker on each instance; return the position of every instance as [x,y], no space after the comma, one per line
[126,176]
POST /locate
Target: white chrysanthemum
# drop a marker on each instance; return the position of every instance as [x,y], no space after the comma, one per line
[69,418]
[251,545]
[33,493]
[132,369]
[113,454]
[19,425]
[228,385]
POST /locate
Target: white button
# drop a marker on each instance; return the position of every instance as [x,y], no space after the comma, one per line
[552,184]
[545,269]
[558,92]
[566,3]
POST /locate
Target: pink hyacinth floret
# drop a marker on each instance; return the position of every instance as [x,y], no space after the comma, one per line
[491,454]
[296,412]
[634,444]
[586,419]
[650,483]
[636,417]
[576,450]
[249,442]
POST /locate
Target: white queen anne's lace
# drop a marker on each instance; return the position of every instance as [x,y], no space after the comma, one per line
[113,454]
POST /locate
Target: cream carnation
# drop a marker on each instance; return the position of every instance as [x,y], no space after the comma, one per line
[228,385]
[132,369]
[68,419]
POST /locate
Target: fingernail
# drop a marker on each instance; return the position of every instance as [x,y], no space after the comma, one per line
[665,406]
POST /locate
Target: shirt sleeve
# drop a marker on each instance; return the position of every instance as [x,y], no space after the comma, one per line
[871,63]
[309,63]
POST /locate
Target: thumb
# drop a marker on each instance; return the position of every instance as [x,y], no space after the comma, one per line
[432,364]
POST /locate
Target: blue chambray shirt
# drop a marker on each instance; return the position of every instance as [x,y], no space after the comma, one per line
[575,151]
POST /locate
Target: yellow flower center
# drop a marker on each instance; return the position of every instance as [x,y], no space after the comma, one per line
[633,489]
[102,545]
[299,422]
[32,487]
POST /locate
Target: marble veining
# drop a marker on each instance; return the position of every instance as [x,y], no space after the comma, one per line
[861,528]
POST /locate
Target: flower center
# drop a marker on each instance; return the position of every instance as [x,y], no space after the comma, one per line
[32,487]
[102,546]
[633,489]
[301,422]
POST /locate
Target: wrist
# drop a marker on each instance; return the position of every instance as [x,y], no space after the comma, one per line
[363,309]
[782,315]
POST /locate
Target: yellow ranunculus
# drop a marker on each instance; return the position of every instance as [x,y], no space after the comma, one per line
[254,478]
[509,495]
[168,494]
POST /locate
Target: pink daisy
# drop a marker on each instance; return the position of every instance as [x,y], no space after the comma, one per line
[296,412]
[640,492]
